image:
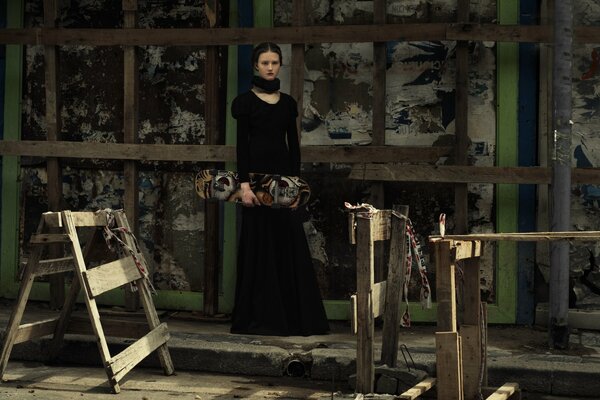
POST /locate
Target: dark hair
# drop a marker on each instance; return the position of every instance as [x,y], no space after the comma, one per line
[263,48]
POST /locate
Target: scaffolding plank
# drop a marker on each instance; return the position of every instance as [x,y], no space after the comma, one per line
[418,389]
[54,266]
[448,366]
[111,275]
[35,329]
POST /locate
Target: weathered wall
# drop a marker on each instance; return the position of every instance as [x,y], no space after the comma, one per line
[420,91]
[171,95]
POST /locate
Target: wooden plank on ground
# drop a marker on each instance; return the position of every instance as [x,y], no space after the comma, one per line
[504,392]
[215,153]
[36,329]
[124,362]
[54,266]
[395,284]
[365,370]
[112,275]
[448,366]
[417,390]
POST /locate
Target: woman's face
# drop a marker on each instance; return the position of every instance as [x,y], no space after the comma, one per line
[268,65]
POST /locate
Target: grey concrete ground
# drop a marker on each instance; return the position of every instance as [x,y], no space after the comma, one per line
[201,350]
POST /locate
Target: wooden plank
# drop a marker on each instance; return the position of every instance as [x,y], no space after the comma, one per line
[525,236]
[212,113]
[445,286]
[379,77]
[461,121]
[124,362]
[47,238]
[320,34]
[146,299]
[448,366]
[114,327]
[80,219]
[54,266]
[53,129]
[19,308]
[365,371]
[130,134]
[215,153]
[504,391]
[395,284]
[90,303]
[471,359]
[418,389]
[353,315]
[36,329]
[378,298]
[471,291]
[109,276]
[297,63]
[464,249]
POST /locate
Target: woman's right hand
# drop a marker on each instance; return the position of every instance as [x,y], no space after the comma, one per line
[248,197]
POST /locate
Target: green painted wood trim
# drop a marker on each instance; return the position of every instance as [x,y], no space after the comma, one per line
[263,13]
[10,164]
[507,196]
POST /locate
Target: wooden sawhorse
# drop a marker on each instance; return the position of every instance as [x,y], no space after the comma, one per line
[61,228]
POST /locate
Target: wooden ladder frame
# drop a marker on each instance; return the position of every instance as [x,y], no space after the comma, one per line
[61,227]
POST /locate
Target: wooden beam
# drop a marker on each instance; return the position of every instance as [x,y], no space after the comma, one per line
[53,131]
[466,174]
[465,249]
[524,236]
[378,295]
[34,330]
[395,284]
[417,390]
[445,286]
[504,392]
[212,104]
[111,275]
[312,34]
[46,238]
[54,266]
[365,370]
[214,153]
[80,219]
[117,327]
[448,366]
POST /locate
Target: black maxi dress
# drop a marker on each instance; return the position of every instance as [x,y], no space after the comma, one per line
[276,289]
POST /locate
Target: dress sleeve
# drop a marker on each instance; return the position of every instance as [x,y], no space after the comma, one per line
[242,115]
[293,139]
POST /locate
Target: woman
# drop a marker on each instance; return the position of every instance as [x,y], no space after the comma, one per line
[276,289]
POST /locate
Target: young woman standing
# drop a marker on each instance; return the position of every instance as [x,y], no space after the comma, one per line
[276,288]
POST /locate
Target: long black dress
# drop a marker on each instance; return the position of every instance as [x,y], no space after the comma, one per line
[276,289]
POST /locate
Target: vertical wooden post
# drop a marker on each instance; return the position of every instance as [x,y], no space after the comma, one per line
[461,121]
[365,373]
[130,132]
[53,126]
[211,211]
[445,287]
[448,366]
[394,285]
[470,330]
[297,63]
[377,197]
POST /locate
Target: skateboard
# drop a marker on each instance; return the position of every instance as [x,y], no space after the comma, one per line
[278,191]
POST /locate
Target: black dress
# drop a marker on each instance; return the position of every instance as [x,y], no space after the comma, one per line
[276,289]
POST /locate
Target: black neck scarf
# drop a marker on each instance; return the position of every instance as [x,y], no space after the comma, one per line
[265,85]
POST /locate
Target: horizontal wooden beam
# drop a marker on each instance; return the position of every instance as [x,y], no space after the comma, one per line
[467,174]
[417,390]
[523,236]
[213,153]
[504,392]
[308,34]
[34,330]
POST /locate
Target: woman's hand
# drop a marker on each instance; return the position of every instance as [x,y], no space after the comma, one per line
[248,197]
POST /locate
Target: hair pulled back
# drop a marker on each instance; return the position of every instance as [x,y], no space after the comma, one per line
[263,48]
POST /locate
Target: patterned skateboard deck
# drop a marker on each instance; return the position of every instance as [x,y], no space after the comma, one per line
[270,190]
